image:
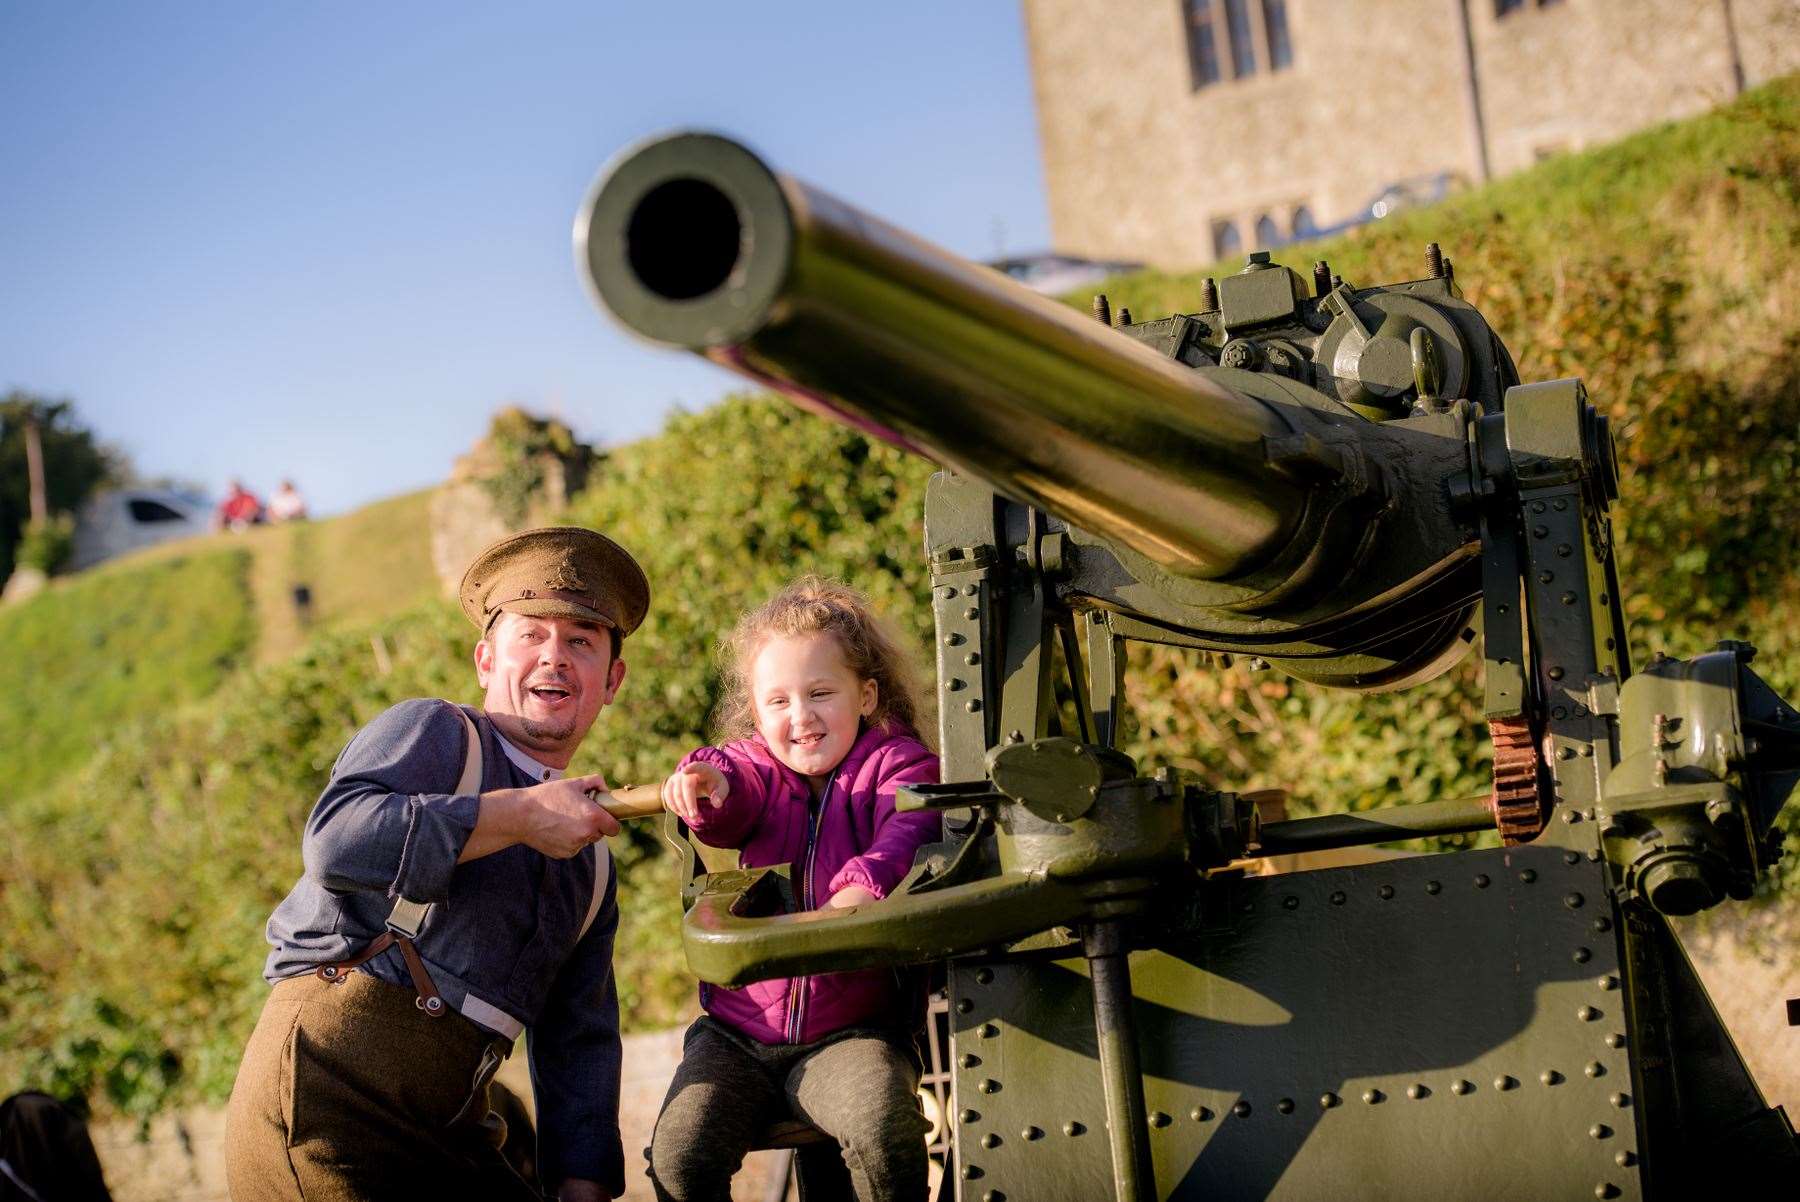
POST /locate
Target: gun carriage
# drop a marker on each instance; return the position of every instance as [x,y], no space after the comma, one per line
[1351,486]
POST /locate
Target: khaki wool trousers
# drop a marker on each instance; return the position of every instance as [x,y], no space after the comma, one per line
[349,1091]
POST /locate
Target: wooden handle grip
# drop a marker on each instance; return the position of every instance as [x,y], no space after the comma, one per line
[631,801]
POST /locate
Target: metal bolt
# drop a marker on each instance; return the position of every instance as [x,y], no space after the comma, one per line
[1031,1133]
[988,1085]
[964,1005]
[1583,955]
[1571,857]
[1546,576]
[973,705]
[1385,893]
[1620,1100]
[1550,1077]
[1504,1083]
[969,590]
[971,1116]
[1285,1105]
[1606,1189]
[1573,900]
[1328,1100]
[972,658]
[1159,1120]
[1073,1128]
[1540,532]
[1602,923]
[1528,875]
[1587,1014]
[992,1195]
[984,976]
[1615,1040]
[1625,1158]
[1564,550]
[1338,897]
[988,1030]
[1415,1092]
[970,1172]
[1124,316]
[1373,1096]
[1321,278]
[1209,295]
[1568,598]
[968,1060]
[953,639]
[1595,1069]
[1600,1131]
[990,1140]
[1565,753]
[1459,1088]
[1481,880]
[1242,1109]
[1434,261]
[1433,887]
[973,612]
[1102,309]
[1537,507]
[1559,505]
[1201,1114]
[1608,982]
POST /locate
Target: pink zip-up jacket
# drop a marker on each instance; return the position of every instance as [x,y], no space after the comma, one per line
[854,838]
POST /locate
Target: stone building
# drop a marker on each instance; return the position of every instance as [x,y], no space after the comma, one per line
[1181,131]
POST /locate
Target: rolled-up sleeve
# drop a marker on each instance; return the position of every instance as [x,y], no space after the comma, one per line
[897,837]
[575,1060]
[368,831]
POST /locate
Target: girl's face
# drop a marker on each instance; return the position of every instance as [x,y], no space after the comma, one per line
[809,704]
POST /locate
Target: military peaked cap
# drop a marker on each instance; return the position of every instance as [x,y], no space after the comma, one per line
[557,571]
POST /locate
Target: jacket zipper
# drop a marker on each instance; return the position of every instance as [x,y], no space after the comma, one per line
[797,1011]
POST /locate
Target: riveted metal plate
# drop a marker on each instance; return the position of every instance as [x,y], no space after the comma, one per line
[1391,1030]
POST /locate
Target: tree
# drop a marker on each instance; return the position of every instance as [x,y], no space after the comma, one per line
[74,464]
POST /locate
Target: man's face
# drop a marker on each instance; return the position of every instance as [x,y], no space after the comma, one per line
[545,681]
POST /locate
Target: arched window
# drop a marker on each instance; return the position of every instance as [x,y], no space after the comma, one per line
[1268,234]
[1303,223]
[1227,243]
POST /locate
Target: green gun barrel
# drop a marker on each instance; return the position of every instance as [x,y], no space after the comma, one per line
[692,241]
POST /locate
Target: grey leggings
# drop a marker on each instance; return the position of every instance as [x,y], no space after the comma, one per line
[859,1087]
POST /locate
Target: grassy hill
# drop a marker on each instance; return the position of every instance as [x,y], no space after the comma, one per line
[138,867]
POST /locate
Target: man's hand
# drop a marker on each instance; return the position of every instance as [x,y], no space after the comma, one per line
[682,792]
[557,818]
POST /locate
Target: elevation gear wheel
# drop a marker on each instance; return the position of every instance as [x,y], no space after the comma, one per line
[1518,797]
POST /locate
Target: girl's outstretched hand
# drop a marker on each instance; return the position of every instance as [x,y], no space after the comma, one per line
[682,792]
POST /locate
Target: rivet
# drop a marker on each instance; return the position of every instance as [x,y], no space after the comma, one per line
[1564,550]
[1565,753]
[1373,1096]
[1546,576]
[971,1116]
[1559,505]
[968,1060]
[1615,1040]
[1583,955]
[1459,1088]
[1587,1014]
[988,1085]
[1285,1105]
[1537,507]
[1625,1158]
[1159,1120]
[987,1030]
[1620,1100]
[1606,1189]
[947,592]
[984,976]
[1571,857]
[1595,1069]
[964,1005]
[973,705]
[1031,1133]
[990,1140]
[1433,887]
[1608,982]
[1573,900]
[1015,736]
[1603,923]
[973,612]
[1568,598]
[1594,857]
[1338,897]
[1073,1128]
[971,1171]
[1559,712]
[1290,902]
[1385,893]
[992,1195]
[1540,532]
[1600,1131]
[1528,875]
[1201,1114]
[969,590]
[1504,1083]
[1481,880]
[1242,1109]
[1572,817]
[954,684]
[1556,673]
[1416,1092]
[953,639]
[972,658]
[1328,1100]
[1550,1077]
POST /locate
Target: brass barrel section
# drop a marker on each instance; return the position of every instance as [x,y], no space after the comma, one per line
[692,241]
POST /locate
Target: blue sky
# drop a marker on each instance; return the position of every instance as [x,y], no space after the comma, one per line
[327,240]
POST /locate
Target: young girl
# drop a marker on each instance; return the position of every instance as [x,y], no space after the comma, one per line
[821,699]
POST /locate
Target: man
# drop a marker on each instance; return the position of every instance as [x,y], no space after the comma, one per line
[367,1074]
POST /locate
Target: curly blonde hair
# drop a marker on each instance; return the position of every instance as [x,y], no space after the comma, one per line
[813,605]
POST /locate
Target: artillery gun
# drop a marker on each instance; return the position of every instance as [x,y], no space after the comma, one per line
[1351,486]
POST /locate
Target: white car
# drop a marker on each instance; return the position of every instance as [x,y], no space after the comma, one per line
[124,519]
